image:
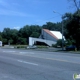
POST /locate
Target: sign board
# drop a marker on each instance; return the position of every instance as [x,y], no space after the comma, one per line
[0,43]
[76,76]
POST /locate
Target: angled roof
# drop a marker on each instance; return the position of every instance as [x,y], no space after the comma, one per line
[55,34]
[50,33]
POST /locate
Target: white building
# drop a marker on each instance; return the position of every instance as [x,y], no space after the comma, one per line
[47,36]
[50,35]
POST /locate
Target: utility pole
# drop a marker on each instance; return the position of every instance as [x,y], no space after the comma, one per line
[62,30]
[62,35]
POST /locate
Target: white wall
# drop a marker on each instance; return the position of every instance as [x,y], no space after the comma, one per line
[32,40]
[0,43]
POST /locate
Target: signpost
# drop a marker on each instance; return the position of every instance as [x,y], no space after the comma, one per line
[76,76]
[0,43]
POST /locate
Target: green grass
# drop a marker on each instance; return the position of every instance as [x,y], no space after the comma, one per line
[24,46]
[40,46]
[20,46]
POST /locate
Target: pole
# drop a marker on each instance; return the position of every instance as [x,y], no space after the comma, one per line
[62,29]
[62,36]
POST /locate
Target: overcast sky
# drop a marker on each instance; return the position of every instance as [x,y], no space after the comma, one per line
[17,13]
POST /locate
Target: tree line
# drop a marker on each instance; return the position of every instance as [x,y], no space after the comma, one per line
[22,35]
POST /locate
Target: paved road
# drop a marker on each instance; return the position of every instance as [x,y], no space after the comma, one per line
[37,65]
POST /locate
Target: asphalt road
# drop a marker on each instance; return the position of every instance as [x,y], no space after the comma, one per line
[37,65]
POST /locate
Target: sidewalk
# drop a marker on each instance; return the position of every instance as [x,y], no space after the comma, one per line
[49,49]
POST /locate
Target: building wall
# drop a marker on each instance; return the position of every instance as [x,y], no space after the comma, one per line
[45,35]
[33,40]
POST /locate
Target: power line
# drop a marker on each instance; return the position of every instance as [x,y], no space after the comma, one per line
[49,18]
[52,17]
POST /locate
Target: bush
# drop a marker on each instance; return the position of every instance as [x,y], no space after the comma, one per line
[42,46]
[22,41]
[0,38]
[20,46]
[54,45]
[59,42]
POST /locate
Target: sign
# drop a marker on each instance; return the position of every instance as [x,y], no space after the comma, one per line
[0,43]
[76,76]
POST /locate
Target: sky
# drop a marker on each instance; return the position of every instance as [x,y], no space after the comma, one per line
[15,14]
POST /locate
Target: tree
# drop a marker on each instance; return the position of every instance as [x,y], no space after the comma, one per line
[25,31]
[13,36]
[49,25]
[6,33]
[0,38]
[76,3]
[52,26]
[9,35]
[5,41]
[29,31]
[35,34]
[59,42]
[35,31]
[11,41]
[22,41]
[73,28]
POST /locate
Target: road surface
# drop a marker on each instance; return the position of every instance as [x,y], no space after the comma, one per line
[37,65]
